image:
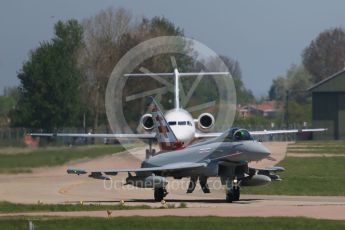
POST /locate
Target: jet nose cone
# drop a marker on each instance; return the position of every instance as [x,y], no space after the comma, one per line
[255,151]
[263,151]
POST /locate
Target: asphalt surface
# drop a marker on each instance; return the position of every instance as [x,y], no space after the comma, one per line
[53,185]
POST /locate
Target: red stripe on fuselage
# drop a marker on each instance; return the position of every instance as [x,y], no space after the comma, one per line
[171,145]
[163,129]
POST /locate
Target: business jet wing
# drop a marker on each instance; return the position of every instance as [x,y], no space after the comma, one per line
[269,132]
[263,132]
[98,135]
[101,174]
[207,135]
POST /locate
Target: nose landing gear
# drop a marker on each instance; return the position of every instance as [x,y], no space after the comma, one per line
[159,194]
[233,190]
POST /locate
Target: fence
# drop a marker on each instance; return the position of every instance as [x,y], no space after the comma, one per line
[12,136]
[15,137]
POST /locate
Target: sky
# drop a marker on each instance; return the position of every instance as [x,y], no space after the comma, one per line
[265,36]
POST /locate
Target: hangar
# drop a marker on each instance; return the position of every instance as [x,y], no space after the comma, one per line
[328,106]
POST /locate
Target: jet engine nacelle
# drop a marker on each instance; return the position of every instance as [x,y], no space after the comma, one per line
[256,180]
[205,121]
[147,182]
[146,122]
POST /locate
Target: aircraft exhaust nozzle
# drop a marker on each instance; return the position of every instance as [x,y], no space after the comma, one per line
[147,182]
[256,180]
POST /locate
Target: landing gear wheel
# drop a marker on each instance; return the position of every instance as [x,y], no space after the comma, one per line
[230,197]
[150,153]
[233,194]
[160,193]
[237,194]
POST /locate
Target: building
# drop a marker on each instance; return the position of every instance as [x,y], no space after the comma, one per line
[268,109]
[328,108]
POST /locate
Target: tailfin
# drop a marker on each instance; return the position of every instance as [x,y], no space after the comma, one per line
[165,136]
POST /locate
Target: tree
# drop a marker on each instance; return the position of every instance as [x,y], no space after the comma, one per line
[99,55]
[108,36]
[326,54]
[296,81]
[7,103]
[244,95]
[278,89]
[49,82]
[291,89]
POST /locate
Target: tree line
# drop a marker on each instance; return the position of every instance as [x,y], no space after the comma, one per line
[63,82]
[323,57]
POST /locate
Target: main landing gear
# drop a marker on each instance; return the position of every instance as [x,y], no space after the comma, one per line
[160,193]
[233,190]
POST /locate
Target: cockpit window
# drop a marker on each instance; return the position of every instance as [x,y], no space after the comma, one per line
[181,123]
[235,134]
[172,122]
[242,135]
[189,123]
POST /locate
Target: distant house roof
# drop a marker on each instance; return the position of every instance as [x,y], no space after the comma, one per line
[335,87]
[267,106]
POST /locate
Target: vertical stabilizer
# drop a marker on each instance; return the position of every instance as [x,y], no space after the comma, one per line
[177,89]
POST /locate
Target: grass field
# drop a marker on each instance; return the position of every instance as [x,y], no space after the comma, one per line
[331,147]
[7,207]
[16,160]
[309,175]
[180,223]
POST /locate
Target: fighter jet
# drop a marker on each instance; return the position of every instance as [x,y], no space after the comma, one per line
[226,156]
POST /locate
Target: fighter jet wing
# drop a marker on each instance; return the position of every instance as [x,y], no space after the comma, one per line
[169,167]
[262,132]
[99,135]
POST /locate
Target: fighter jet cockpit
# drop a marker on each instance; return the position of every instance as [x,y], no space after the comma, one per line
[242,135]
[236,134]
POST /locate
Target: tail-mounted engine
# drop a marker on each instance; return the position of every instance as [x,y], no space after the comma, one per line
[205,121]
[146,122]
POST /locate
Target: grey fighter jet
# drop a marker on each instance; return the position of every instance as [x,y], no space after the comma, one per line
[226,156]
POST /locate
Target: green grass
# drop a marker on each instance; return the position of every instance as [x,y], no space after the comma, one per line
[7,207]
[326,147]
[320,143]
[23,161]
[324,176]
[180,223]
[317,150]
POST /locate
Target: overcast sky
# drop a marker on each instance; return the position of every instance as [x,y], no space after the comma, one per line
[265,36]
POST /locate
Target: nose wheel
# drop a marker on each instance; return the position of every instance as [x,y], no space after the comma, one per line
[233,191]
[159,194]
